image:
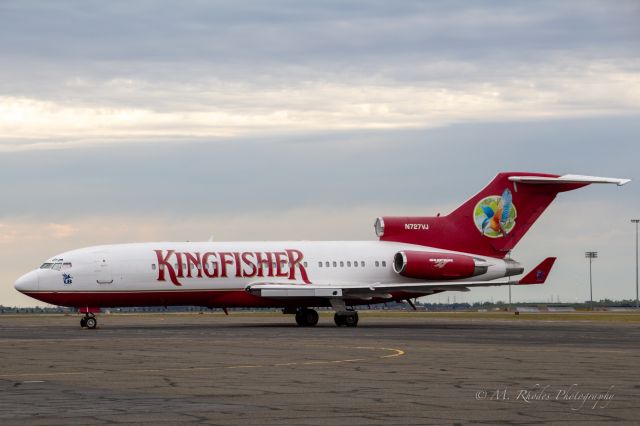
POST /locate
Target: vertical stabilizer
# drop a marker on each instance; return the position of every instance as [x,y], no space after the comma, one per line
[491,222]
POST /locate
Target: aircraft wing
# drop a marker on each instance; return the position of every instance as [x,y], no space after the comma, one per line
[387,290]
[360,290]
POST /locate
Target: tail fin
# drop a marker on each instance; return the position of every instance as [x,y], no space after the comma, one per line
[491,222]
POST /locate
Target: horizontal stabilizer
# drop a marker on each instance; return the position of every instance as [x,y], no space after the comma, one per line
[564,179]
[538,275]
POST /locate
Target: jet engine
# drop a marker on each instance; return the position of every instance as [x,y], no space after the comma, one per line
[437,266]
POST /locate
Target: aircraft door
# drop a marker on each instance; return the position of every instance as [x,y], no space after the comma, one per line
[102,270]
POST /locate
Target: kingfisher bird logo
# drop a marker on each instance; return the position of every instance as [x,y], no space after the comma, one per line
[495,216]
[67,279]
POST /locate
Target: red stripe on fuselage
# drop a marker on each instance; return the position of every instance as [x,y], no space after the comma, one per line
[206,298]
[209,298]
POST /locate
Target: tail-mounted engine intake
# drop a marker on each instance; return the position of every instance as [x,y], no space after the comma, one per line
[437,266]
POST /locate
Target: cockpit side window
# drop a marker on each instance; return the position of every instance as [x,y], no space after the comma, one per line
[66,265]
[57,266]
[46,266]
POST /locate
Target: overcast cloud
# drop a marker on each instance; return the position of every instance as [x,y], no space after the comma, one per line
[141,120]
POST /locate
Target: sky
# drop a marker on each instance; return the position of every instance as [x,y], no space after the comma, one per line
[284,120]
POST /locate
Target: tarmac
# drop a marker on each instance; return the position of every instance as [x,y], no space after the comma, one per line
[263,369]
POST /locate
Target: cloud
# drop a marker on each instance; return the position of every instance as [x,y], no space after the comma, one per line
[14,233]
[226,110]
[111,74]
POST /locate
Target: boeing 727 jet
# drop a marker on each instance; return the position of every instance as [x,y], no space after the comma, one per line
[413,257]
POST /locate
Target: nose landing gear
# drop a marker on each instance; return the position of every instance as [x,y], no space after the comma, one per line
[89,321]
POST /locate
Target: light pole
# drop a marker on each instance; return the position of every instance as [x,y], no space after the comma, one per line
[591,255]
[636,222]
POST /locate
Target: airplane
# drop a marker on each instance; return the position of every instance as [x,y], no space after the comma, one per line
[413,257]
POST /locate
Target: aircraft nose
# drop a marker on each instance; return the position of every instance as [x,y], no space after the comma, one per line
[27,282]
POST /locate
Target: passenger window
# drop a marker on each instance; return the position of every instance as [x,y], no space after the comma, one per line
[304,263]
[342,264]
[153,266]
[326,264]
[362,263]
[377,264]
[348,264]
[355,263]
[384,264]
[335,264]
[319,264]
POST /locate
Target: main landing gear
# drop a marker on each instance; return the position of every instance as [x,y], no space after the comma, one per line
[348,319]
[306,317]
[89,321]
[343,316]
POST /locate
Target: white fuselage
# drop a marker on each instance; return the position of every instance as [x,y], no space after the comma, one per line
[139,267]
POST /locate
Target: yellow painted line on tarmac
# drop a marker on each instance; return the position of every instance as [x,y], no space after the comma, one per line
[396,353]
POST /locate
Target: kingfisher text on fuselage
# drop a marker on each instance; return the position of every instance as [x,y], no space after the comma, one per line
[279,264]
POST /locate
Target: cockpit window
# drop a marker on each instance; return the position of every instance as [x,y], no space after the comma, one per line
[46,266]
[56,266]
[66,265]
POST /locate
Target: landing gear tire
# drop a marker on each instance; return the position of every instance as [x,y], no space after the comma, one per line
[306,317]
[89,321]
[349,319]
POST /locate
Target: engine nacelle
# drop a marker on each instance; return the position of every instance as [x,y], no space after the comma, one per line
[437,266]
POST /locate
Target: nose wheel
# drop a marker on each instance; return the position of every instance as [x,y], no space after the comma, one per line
[89,321]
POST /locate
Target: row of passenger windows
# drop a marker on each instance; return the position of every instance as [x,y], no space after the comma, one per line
[356,264]
[56,266]
[326,264]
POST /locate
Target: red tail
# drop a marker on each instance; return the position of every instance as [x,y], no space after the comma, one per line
[493,221]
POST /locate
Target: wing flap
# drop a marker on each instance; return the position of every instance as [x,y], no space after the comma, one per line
[298,291]
[360,290]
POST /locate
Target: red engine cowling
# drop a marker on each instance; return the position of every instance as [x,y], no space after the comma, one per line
[435,266]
